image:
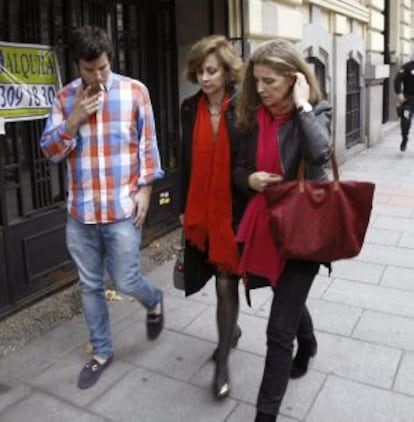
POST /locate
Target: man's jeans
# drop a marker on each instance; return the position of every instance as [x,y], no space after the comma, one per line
[116,248]
[289,317]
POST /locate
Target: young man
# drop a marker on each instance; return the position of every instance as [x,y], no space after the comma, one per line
[103,125]
[404,89]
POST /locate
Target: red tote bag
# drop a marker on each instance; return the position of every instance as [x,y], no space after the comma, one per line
[319,221]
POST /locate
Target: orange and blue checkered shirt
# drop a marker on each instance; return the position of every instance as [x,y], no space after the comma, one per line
[112,154]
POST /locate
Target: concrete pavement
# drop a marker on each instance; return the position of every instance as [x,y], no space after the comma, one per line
[363,314]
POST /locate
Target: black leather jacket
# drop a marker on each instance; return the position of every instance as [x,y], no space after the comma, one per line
[306,135]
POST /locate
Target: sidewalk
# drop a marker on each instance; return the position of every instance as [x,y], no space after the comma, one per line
[363,314]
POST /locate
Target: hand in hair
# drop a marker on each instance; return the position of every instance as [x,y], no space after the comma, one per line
[301,90]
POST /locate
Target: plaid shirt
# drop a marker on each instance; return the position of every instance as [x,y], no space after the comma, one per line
[112,154]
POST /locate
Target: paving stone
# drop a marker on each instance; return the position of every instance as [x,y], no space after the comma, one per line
[254,334]
[301,394]
[376,298]
[388,255]
[352,269]
[407,240]
[383,236]
[398,277]
[320,284]
[204,326]
[392,211]
[173,354]
[161,276]
[128,306]
[405,380]
[389,330]
[39,407]
[12,395]
[404,225]
[42,352]
[333,317]
[258,298]
[356,360]
[242,413]
[254,329]
[402,200]
[60,380]
[175,401]
[346,401]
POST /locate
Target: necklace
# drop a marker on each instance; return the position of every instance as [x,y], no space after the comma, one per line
[218,112]
[214,112]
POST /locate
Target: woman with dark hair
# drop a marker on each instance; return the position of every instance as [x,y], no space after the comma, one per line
[209,210]
[285,121]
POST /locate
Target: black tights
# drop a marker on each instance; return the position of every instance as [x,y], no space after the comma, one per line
[227,288]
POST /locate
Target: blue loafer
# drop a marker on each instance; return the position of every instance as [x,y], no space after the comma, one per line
[155,322]
[91,372]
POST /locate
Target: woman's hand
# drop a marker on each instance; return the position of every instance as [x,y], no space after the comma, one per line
[401,99]
[181,218]
[301,90]
[260,179]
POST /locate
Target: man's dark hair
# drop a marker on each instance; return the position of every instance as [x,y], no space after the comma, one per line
[89,42]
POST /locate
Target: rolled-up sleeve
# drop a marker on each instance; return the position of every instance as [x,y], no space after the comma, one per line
[54,142]
[148,153]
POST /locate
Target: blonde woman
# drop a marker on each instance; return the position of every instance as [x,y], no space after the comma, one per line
[284,120]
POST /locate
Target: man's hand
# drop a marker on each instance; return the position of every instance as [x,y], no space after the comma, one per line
[85,105]
[260,179]
[142,199]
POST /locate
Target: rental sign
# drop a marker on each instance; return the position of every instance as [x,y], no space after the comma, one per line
[29,80]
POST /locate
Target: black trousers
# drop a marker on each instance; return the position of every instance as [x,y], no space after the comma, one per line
[289,318]
[405,112]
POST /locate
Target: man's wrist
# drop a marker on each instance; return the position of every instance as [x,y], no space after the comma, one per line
[71,126]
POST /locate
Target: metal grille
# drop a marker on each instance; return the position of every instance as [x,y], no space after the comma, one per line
[319,70]
[353,104]
[235,25]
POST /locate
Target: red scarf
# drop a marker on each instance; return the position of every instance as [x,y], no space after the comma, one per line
[260,256]
[208,213]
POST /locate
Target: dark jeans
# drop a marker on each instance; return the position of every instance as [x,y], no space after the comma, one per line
[406,111]
[289,318]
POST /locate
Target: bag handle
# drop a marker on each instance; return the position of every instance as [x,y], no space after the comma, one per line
[335,171]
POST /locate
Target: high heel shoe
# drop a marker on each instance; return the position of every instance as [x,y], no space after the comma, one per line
[306,350]
[221,383]
[234,341]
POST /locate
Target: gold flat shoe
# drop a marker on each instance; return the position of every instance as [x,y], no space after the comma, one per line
[223,391]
